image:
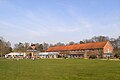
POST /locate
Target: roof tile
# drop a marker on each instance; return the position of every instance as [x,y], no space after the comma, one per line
[78,47]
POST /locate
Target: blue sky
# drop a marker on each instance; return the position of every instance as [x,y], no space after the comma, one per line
[55,21]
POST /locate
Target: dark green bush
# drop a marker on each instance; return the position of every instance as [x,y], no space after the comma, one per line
[117,55]
[93,56]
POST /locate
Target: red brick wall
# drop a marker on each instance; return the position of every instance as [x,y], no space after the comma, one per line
[108,48]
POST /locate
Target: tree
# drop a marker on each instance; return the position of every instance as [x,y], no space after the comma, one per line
[59,44]
[87,41]
[20,47]
[2,47]
[96,39]
[5,47]
[26,45]
[45,46]
[81,42]
[39,47]
[71,43]
[51,45]
[116,43]
[99,38]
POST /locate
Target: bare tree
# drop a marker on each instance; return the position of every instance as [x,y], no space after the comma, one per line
[45,46]
[5,47]
[81,42]
[39,47]
[71,43]
[20,47]
[96,39]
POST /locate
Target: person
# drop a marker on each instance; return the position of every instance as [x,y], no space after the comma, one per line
[33,58]
[6,56]
[108,57]
[13,57]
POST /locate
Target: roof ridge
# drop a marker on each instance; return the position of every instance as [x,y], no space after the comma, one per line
[79,46]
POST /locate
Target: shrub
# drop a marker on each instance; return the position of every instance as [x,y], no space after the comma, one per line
[93,56]
[117,55]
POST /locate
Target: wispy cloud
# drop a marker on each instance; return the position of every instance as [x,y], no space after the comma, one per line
[38,25]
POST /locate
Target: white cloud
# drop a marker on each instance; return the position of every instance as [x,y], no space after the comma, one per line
[40,25]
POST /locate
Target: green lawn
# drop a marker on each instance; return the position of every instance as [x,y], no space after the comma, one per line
[59,69]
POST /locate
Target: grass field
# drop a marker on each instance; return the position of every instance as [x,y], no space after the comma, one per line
[59,69]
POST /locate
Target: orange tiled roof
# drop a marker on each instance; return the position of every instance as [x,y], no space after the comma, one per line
[78,47]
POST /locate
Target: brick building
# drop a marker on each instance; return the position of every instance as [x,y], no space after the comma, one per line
[32,51]
[100,49]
